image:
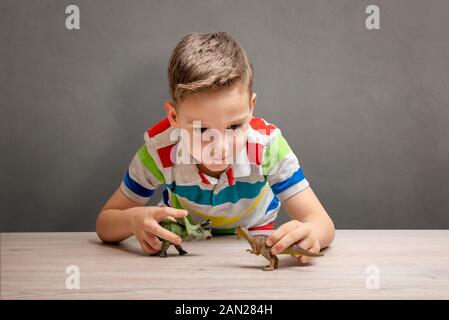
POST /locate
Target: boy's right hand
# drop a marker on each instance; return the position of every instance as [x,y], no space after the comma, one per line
[146,228]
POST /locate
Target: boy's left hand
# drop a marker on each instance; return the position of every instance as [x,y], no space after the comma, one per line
[294,232]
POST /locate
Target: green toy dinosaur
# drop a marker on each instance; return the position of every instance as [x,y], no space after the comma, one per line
[259,247]
[186,231]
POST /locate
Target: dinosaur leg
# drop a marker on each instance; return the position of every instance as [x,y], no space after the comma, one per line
[276,261]
[165,245]
[180,250]
[269,257]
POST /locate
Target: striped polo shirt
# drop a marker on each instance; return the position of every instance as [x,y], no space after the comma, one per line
[248,192]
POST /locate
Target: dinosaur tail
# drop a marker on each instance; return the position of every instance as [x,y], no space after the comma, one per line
[295,249]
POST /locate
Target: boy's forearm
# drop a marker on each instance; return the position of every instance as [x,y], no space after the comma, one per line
[114,225]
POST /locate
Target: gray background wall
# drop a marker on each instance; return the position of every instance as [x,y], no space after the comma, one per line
[367,111]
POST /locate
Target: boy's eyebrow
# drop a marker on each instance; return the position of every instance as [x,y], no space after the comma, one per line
[240,120]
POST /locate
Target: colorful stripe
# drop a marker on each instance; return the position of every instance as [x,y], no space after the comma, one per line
[255,152]
[229,231]
[203,178]
[274,204]
[233,194]
[276,151]
[165,155]
[268,226]
[165,197]
[218,221]
[136,187]
[149,163]
[261,126]
[159,127]
[287,183]
[230,176]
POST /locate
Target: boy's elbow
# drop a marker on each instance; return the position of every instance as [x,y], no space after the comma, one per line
[99,229]
[331,232]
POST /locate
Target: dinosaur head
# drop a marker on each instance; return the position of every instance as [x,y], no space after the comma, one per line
[198,231]
[241,232]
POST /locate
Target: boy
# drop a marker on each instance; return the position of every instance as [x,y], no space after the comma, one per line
[214,159]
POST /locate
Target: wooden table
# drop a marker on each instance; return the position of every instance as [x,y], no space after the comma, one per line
[411,264]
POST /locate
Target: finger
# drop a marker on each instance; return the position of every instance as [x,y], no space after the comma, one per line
[315,248]
[306,243]
[162,212]
[304,259]
[290,238]
[281,231]
[153,241]
[157,230]
[146,248]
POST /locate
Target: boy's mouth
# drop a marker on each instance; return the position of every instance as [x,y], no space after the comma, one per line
[219,159]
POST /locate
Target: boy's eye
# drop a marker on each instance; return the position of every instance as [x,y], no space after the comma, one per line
[202,130]
[233,127]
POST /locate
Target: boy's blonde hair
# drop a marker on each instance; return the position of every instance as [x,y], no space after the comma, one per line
[203,62]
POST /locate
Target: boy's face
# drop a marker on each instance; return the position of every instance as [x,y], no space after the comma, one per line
[214,124]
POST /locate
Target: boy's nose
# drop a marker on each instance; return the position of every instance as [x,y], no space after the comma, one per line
[224,153]
[222,149]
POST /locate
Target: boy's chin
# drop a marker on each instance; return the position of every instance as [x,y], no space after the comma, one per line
[216,167]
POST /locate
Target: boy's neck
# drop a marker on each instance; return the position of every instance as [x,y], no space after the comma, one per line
[215,174]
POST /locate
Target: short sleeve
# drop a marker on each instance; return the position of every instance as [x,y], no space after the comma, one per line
[143,175]
[281,167]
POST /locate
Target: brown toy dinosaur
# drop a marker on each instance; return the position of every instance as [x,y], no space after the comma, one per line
[259,247]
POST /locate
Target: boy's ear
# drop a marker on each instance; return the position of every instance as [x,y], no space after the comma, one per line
[171,113]
[253,102]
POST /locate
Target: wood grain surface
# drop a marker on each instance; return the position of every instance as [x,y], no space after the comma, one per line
[412,264]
